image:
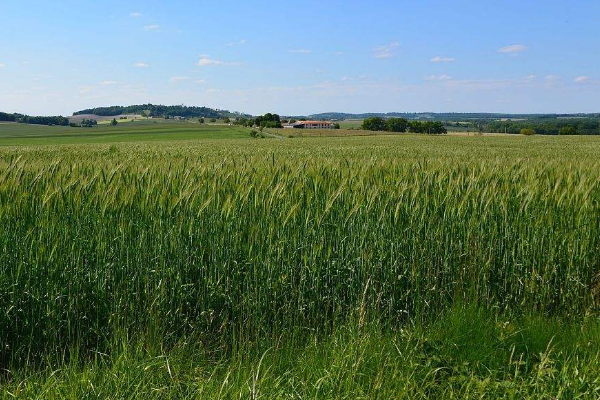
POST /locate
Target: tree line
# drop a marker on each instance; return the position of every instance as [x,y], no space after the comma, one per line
[584,126]
[403,125]
[34,120]
[153,110]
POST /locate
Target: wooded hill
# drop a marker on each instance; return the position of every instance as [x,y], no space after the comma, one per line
[153,110]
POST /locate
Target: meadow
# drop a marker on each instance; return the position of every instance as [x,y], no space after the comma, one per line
[218,266]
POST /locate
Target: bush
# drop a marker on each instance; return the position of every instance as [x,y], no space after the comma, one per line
[527,131]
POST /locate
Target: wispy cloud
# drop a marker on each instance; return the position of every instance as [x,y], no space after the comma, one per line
[513,49]
[439,59]
[141,65]
[582,79]
[241,42]
[135,14]
[299,51]
[201,81]
[438,78]
[177,79]
[151,27]
[338,53]
[108,83]
[531,77]
[551,78]
[386,51]
[2,65]
[206,61]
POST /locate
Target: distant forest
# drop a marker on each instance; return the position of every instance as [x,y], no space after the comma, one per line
[153,110]
[556,126]
[28,119]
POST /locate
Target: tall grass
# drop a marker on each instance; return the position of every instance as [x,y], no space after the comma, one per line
[233,245]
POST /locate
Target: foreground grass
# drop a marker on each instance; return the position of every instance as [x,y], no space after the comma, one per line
[465,354]
[380,267]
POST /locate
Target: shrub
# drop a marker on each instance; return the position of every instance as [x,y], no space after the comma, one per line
[527,131]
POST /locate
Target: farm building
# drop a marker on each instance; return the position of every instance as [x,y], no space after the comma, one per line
[314,125]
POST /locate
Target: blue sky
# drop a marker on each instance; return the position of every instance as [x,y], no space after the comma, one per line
[301,57]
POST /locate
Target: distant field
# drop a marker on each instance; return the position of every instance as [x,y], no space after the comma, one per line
[23,134]
[323,132]
[351,123]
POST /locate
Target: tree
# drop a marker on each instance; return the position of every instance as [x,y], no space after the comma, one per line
[567,130]
[527,131]
[226,120]
[213,120]
[374,124]
[201,120]
[114,122]
[268,121]
[429,127]
[336,126]
[396,125]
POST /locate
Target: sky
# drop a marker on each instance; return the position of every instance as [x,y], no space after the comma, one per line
[302,57]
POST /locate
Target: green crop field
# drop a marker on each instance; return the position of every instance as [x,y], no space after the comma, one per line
[159,261]
[151,130]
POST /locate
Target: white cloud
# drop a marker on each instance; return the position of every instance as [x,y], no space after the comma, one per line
[241,42]
[206,61]
[531,77]
[141,65]
[438,78]
[135,14]
[338,53]
[108,83]
[2,65]
[582,79]
[513,49]
[177,79]
[439,59]
[151,27]
[299,51]
[201,81]
[386,51]
[551,78]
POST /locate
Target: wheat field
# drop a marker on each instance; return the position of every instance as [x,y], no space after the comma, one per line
[248,263]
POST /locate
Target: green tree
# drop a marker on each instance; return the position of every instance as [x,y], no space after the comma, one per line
[374,124]
[567,130]
[396,125]
[226,120]
[201,120]
[213,120]
[114,122]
